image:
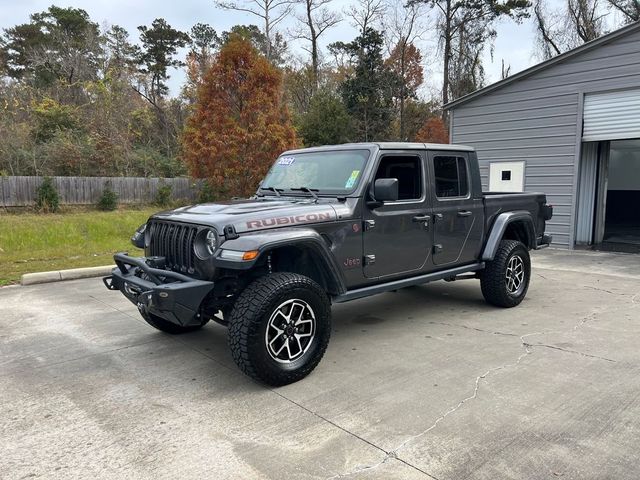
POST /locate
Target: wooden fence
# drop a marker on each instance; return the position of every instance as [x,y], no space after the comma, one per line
[22,191]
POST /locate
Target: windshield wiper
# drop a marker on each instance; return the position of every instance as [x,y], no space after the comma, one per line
[307,190]
[273,189]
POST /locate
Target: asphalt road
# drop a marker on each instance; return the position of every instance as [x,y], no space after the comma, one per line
[427,382]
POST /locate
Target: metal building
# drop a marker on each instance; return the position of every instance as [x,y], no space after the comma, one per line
[569,127]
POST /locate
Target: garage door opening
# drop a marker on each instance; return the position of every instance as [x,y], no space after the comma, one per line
[609,196]
[622,215]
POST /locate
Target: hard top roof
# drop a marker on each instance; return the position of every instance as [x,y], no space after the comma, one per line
[389,146]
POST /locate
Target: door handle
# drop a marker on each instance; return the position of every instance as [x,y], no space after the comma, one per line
[464,213]
[422,218]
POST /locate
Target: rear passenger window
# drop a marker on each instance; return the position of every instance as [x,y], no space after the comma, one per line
[451,177]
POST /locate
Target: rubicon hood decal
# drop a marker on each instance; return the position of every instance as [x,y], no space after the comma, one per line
[253,215]
[259,224]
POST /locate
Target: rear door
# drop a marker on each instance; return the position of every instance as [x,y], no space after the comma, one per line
[457,215]
[397,237]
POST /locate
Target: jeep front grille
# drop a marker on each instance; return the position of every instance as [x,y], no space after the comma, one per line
[174,241]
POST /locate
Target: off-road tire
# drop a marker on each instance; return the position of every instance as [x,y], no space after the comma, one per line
[249,319]
[169,327]
[493,279]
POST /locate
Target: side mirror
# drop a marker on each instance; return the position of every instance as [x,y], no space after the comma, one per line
[385,190]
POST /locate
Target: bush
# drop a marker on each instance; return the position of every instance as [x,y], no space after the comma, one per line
[206,194]
[163,197]
[108,201]
[47,199]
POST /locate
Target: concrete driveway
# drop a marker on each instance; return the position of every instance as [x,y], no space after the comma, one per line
[428,382]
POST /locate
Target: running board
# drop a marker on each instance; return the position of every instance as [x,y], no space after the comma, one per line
[406,282]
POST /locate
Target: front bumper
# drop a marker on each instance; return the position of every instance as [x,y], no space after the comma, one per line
[166,294]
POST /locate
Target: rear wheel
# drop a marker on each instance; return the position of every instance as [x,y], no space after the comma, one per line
[167,326]
[279,328]
[505,279]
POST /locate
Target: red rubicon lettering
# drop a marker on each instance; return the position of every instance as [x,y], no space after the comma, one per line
[292,220]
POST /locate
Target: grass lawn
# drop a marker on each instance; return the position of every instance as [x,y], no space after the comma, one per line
[31,242]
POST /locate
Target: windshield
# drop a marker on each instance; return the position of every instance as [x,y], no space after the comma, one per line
[334,172]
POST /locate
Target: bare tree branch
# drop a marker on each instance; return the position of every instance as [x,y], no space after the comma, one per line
[271,12]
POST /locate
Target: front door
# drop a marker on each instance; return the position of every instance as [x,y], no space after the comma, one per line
[457,215]
[397,236]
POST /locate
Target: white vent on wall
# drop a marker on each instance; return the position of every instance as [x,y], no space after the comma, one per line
[506,176]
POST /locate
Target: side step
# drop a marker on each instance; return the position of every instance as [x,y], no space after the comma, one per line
[406,282]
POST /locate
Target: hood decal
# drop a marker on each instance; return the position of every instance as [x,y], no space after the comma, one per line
[253,215]
[262,223]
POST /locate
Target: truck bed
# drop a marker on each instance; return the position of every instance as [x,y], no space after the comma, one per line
[499,202]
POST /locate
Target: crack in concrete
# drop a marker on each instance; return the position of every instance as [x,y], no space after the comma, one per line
[475,328]
[606,291]
[62,362]
[393,454]
[568,350]
[355,435]
[584,320]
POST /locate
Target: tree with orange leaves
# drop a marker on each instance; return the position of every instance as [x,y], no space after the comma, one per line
[240,123]
[433,131]
[405,61]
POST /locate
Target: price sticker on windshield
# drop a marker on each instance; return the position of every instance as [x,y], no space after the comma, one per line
[286,161]
[352,179]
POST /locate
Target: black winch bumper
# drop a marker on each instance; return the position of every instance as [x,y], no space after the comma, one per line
[169,295]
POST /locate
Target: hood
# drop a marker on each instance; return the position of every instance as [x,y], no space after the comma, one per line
[255,214]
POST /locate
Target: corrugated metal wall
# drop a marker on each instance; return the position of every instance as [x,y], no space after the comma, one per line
[537,119]
[586,193]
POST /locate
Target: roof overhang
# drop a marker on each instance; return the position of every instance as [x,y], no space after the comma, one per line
[544,65]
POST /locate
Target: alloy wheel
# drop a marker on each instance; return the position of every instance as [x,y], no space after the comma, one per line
[515,275]
[290,331]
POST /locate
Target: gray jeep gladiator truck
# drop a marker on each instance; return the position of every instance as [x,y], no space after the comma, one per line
[329,225]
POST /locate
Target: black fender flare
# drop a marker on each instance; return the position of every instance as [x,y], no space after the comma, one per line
[499,227]
[268,240]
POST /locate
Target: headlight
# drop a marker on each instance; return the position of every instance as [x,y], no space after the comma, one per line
[211,240]
[138,238]
[206,243]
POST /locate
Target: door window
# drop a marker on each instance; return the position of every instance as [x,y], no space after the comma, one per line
[451,177]
[408,172]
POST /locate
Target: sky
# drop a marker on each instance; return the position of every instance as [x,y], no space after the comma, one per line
[514,43]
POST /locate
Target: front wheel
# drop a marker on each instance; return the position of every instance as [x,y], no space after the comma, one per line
[505,279]
[279,328]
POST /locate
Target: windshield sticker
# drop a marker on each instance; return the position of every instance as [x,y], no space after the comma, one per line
[286,161]
[352,179]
